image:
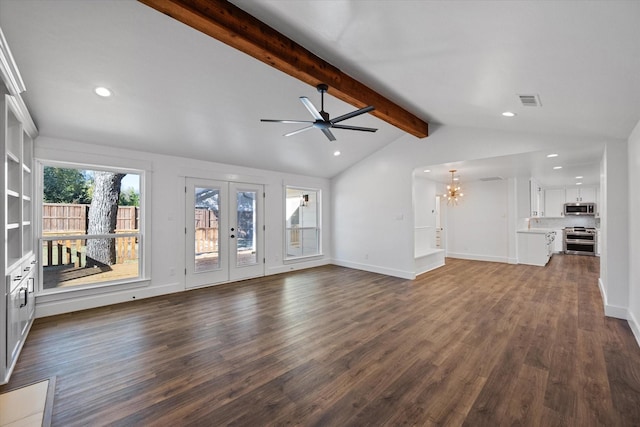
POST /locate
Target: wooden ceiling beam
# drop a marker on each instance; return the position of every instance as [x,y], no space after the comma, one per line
[235,27]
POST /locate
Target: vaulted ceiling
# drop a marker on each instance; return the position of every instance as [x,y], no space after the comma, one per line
[179,92]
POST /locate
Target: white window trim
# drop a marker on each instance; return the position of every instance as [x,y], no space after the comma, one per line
[144,259]
[319,207]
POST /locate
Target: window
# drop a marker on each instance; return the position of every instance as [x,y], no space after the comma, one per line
[90,231]
[302,222]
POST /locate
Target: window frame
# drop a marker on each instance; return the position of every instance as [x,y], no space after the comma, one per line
[319,252]
[142,279]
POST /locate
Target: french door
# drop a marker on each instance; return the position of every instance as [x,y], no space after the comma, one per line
[225,239]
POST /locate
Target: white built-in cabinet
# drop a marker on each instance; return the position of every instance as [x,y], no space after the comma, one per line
[581,194]
[554,200]
[17,133]
[537,198]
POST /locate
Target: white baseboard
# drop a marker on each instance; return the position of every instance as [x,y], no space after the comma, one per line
[427,268]
[609,309]
[635,326]
[375,269]
[60,306]
[292,266]
[477,257]
[429,261]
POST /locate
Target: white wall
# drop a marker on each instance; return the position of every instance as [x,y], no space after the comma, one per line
[634,231]
[478,227]
[167,206]
[372,201]
[614,259]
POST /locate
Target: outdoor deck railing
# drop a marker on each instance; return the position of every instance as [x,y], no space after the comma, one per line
[60,249]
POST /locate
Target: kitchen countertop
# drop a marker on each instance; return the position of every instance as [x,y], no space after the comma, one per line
[536,230]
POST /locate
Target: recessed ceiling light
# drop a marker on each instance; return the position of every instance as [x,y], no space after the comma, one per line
[336,153]
[509,114]
[102,91]
[552,155]
[578,183]
[579,177]
[557,167]
[427,170]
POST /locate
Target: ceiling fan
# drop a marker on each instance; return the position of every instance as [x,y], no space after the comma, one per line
[322,120]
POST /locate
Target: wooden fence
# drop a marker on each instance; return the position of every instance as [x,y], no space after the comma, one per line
[70,218]
[60,219]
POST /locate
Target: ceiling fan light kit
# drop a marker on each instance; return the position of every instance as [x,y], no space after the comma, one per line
[322,120]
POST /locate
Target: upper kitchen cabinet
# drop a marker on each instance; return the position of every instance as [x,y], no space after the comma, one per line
[581,195]
[554,200]
[537,198]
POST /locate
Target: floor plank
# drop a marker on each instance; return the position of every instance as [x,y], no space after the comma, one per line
[470,343]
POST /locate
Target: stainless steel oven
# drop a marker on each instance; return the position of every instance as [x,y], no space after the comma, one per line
[579,241]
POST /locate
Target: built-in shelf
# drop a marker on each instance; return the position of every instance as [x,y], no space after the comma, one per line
[13,157]
[17,132]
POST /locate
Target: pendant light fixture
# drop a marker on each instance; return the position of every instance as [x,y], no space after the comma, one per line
[454,192]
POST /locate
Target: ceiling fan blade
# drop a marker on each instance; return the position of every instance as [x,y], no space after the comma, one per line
[285,121]
[328,134]
[353,114]
[354,128]
[299,131]
[312,109]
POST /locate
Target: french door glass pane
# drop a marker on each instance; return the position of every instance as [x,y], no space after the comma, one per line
[207,209]
[246,233]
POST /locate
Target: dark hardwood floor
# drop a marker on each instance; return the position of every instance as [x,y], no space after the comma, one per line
[472,343]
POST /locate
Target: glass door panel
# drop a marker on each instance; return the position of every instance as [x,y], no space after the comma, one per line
[207,260]
[246,237]
[207,251]
[246,253]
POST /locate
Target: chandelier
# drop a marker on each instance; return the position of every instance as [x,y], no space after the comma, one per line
[453,191]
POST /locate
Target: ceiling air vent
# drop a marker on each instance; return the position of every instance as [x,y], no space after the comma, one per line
[492,178]
[530,100]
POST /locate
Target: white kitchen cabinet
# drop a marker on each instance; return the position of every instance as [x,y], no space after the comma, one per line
[17,133]
[554,200]
[533,248]
[536,194]
[581,194]
[558,242]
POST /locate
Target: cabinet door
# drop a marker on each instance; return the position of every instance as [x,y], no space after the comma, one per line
[554,200]
[573,194]
[557,243]
[588,194]
[537,199]
[13,322]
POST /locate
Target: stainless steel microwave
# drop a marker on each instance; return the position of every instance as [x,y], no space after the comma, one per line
[580,209]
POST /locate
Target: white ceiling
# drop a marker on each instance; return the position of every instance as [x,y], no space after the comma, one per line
[458,63]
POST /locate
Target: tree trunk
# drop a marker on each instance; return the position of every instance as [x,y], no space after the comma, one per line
[103,213]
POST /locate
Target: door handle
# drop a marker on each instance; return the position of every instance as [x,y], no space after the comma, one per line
[24,304]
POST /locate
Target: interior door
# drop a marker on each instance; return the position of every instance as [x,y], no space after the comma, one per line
[225,240]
